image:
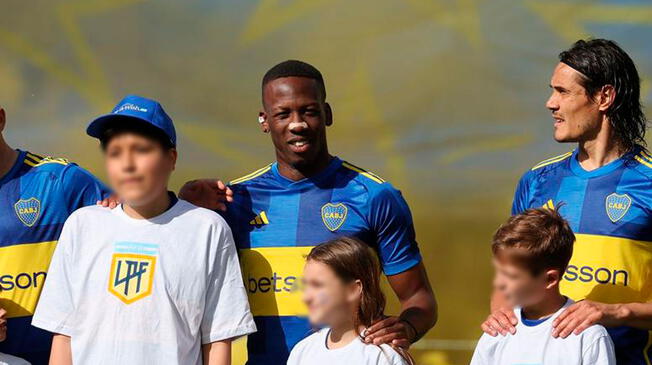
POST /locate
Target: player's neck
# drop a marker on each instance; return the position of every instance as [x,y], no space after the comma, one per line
[547,307]
[600,150]
[341,334]
[296,173]
[8,157]
[148,210]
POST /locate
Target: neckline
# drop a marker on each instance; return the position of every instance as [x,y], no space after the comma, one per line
[523,326]
[159,219]
[328,333]
[333,165]
[578,170]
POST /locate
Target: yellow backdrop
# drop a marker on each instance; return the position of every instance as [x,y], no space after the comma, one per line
[444,98]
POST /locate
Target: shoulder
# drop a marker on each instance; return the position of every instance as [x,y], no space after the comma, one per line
[642,163]
[314,338]
[391,356]
[552,162]
[193,213]
[376,186]
[90,213]
[252,177]
[594,332]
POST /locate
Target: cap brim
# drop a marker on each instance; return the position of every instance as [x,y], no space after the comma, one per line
[97,127]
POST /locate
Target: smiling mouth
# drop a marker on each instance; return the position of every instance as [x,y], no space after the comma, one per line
[299,146]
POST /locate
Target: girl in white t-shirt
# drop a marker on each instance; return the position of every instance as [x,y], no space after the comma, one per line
[342,292]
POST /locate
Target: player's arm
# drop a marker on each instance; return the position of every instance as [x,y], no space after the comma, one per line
[581,315]
[61,353]
[217,353]
[418,310]
[391,220]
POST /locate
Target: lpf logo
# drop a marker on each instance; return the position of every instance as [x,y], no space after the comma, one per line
[132,271]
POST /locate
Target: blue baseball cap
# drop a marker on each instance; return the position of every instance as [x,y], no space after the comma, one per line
[138,109]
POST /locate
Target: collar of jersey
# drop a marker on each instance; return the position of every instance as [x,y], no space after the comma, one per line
[600,171]
[12,171]
[159,219]
[333,165]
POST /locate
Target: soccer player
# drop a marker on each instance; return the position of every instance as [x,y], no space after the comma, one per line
[342,292]
[307,196]
[37,194]
[155,280]
[530,253]
[606,185]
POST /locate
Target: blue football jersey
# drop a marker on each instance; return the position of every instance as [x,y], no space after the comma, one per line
[276,222]
[36,196]
[610,211]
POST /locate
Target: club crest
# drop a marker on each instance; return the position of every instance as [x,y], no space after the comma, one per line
[132,271]
[28,210]
[333,215]
[617,206]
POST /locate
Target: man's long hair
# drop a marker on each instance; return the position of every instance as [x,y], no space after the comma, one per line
[602,62]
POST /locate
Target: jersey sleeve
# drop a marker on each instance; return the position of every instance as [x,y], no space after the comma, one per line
[55,309]
[81,188]
[599,351]
[226,311]
[391,221]
[522,194]
[480,353]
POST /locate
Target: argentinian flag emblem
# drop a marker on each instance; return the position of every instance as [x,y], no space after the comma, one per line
[333,215]
[28,210]
[617,206]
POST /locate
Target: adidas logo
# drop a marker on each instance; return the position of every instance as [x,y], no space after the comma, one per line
[260,219]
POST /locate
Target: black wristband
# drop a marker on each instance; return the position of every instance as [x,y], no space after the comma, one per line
[414,329]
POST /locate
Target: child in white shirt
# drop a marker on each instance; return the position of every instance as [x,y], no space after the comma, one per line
[155,280]
[342,292]
[531,252]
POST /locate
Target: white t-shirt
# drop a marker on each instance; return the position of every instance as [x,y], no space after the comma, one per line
[534,345]
[6,359]
[136,291]
[312,350]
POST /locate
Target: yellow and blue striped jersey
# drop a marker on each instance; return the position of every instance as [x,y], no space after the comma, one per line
[610,211]
[36,196]
[275,223]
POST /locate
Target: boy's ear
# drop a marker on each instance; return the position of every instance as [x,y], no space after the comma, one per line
[356,291]
[174,155]
[553,277]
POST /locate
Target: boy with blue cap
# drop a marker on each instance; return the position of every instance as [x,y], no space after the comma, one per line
[155,278]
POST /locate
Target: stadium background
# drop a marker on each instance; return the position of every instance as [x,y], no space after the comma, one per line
[445,98]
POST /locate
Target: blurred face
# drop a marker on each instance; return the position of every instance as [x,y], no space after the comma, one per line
[329,299]
[576,116]
[519,286]
[296,116]
[138,167]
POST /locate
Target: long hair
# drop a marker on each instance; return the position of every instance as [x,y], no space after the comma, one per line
[602,62]
[351,260]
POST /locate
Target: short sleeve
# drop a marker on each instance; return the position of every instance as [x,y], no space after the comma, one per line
[226,310]
[391,221]
[522,194]
[55,309]
[81,188]
[599,352]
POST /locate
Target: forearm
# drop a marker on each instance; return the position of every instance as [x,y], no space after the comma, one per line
[61,353]
[420,311]
[217,353]
[638,315]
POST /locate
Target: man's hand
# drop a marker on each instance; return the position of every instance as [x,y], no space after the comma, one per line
[581,315]
[111,202]
[211,194]
[501,321]
[391,330]
[3,324]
